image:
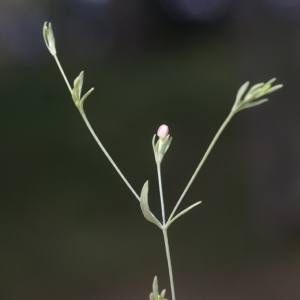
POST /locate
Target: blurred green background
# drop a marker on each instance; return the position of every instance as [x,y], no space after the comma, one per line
[70,228]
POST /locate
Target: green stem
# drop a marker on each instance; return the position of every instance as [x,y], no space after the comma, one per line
[231,114]
[161,194]
[106,153]
[169,262]
[93,132]
[63,73]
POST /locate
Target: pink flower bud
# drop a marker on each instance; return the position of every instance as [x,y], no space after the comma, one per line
[163,131]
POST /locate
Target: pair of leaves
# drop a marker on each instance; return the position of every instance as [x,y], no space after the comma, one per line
[149,215]
[155,294]
[76,92]
[49,38]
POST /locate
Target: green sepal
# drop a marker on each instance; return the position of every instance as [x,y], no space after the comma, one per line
[153,145]
[161,147]
[145,206]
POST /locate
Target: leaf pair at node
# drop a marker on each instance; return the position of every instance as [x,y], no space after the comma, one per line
[155,294]
[49,38]
[149,215]
[76,91]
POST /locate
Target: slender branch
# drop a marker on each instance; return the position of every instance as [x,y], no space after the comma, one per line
[63,73]
[106,153]
[231,114]
[166,241]
[93,132]
[161,195]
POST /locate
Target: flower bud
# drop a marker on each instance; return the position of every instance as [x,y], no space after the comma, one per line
[163,131]
[163,143]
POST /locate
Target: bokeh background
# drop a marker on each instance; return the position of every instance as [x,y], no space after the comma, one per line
[70,228]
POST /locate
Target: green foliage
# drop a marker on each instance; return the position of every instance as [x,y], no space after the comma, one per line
[145,206]
[243,100]
[257,91]
[49,38]
[155,294]
[76,92]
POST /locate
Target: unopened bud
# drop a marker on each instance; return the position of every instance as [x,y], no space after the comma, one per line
[162,145]
[163,131]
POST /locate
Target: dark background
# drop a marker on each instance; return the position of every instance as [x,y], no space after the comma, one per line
[70,228]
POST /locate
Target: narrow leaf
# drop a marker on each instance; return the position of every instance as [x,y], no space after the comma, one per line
[155,288]
[145,206]
[255,103]
[80,82]
[274,88]
[86,95]
[76,86]
[241,92]
[270,81]
[182,213]
[255,87]
[151,297]
[45,30]
[49,37]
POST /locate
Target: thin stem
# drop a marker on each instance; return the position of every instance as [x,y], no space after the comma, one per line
[63,73]
[161,195]
[106,153]
[169,262]
[93,132]
[202,162]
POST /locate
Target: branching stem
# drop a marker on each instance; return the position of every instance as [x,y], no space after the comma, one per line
[202,162]
[94,134]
